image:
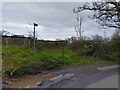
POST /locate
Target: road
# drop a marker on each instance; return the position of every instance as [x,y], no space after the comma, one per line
[88,77]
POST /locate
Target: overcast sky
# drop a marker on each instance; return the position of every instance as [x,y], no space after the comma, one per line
[55,19]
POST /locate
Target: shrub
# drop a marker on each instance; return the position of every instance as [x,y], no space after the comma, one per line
[51,63]
[16,71]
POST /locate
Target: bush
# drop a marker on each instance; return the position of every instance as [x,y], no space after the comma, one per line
[81,47]
[16,71]
[51,63]
[101,50]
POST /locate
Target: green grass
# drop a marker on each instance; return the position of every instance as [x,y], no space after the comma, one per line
[20,59]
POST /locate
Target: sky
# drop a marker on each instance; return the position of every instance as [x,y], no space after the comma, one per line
[54,19]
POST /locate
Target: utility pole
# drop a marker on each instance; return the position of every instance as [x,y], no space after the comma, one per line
[34,37]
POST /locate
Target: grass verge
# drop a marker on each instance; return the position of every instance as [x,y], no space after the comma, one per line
[18,60]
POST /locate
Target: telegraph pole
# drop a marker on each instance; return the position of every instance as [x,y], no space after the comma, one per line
[34,37]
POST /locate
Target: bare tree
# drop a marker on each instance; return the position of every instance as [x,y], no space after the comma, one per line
[76,32]
[106,13]
[78,27]
[30,33]
[4,33]
[97,37]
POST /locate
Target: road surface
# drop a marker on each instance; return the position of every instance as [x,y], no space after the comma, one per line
[88,77]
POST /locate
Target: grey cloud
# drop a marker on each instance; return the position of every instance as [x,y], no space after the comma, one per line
[55,18]
[49,14]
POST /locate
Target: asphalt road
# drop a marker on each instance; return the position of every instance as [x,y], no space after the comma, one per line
[89,77]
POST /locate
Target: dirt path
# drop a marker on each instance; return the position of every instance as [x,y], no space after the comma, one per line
[26,80]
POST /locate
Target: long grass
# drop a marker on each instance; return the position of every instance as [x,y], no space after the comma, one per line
[17,57]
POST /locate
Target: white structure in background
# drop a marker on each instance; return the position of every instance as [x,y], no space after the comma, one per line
[72,39]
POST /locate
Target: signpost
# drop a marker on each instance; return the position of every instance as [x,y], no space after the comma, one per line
[34,37]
